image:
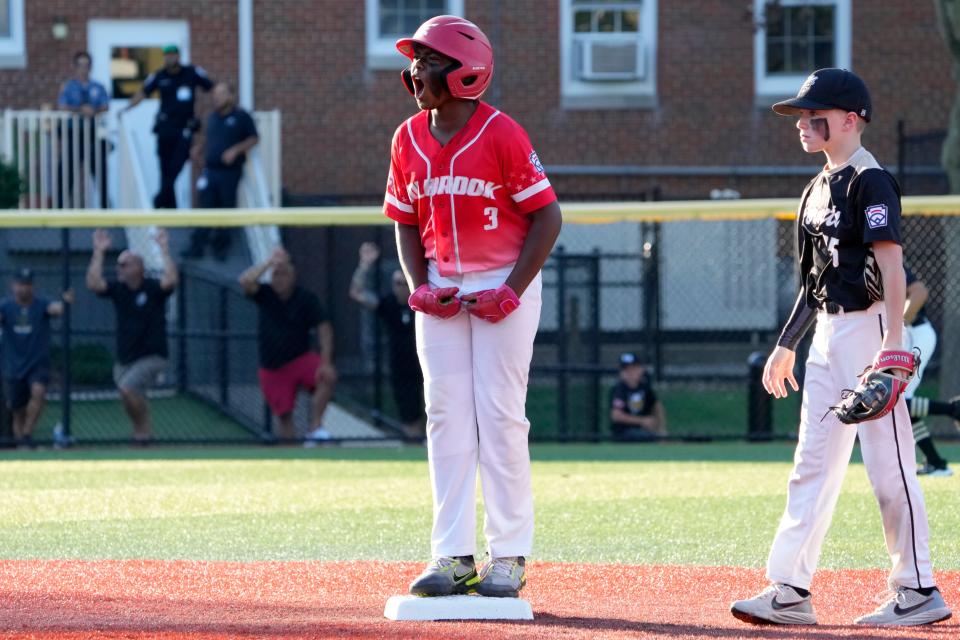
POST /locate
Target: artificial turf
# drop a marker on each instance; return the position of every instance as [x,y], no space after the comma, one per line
[712,504]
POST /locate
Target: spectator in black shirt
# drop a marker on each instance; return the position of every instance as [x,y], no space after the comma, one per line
[287,313]
[636,414]
[140,304]
[406,378]
[176,121]
[230,134]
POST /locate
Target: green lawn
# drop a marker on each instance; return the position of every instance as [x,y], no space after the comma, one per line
[693,410]
[693,503]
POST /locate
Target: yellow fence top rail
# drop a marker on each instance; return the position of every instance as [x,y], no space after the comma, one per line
[575,213]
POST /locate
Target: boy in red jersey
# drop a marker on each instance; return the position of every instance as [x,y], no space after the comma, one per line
[476,218]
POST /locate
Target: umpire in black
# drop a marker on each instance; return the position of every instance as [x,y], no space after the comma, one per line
[176,121]
[230,134]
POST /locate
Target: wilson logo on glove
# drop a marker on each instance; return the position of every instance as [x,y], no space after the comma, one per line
[879,389]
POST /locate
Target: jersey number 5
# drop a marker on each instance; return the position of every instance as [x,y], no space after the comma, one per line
[490,212]
[834,253]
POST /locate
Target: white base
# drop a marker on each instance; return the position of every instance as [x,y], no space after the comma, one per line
[457,608]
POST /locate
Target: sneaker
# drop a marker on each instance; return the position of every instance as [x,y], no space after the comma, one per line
[936,472]
[317,435]
[908,607]
[777,604]
[445,576]
[501,577]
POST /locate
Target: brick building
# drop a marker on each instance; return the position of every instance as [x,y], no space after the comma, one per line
[627,98]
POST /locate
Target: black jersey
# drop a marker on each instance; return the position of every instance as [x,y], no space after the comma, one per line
[177,93]
[842,211]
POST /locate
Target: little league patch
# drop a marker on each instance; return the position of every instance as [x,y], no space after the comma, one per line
[876,216]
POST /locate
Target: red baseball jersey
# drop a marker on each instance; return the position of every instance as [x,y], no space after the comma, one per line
[471,197]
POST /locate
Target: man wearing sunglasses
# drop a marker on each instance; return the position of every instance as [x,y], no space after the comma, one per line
[140,303]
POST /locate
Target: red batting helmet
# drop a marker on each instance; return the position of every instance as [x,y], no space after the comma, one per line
[458,39]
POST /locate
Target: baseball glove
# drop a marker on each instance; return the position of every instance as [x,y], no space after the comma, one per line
[879,388]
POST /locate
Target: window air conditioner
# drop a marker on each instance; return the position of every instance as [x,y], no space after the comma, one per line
[611,59]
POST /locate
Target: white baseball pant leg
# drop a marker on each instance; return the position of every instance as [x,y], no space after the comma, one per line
[924,337]
[843,345]
[475,383]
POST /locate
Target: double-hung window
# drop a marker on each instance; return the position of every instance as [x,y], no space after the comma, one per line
[390,20]
[13,43]
[795,38]
[608,53]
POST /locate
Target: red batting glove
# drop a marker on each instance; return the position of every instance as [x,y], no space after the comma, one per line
[492,305]
[442,303]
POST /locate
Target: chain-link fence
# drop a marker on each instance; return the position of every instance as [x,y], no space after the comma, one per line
[693,298]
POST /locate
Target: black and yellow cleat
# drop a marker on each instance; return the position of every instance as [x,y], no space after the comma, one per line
[445,576]
[501,578]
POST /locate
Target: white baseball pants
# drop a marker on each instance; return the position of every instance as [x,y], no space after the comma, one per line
[843,345]
[924,337]
[475,385]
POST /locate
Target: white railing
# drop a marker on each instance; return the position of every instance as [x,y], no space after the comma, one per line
[261,184]
[60,155]
[133,193]
[62,158]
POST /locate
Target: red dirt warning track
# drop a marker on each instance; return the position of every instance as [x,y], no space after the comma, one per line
[205,600]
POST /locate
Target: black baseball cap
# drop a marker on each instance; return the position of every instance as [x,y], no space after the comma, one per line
[629,359]
[830,89]
[24,275]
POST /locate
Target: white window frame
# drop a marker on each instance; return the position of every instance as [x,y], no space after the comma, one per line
[784,85]
[382,52]
[13,48]
[614,94]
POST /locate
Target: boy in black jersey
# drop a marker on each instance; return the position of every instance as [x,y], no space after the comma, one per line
[852,285]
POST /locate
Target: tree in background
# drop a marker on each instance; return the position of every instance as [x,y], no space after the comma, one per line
[11,186]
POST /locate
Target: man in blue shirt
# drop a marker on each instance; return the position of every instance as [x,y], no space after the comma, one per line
[176,122]
[230,134]
[25,320]
[87,98]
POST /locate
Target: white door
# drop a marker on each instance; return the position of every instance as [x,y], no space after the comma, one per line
[121,49]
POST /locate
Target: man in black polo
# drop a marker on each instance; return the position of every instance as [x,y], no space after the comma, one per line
[140,303]
[176,122]
[230,134]
[406,377]
[287,313]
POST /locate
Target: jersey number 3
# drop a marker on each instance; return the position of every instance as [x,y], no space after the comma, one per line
[490,212]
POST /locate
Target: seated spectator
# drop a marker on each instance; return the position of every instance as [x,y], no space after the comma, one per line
[636,414]
[25,320]
[406,378]
[140,304]
[287,313]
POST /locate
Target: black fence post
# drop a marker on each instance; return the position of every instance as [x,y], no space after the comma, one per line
[267,422]
[182,380]
[759,402]
[224,348]
[651,297]
[562,354]
[66,408]
[593,402]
